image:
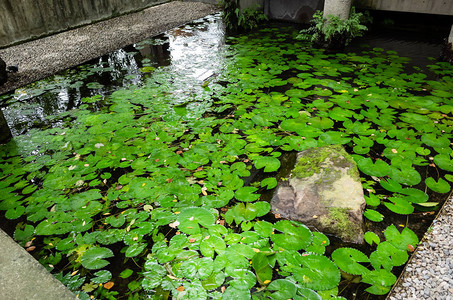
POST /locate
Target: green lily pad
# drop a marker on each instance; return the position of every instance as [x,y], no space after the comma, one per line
[404,240]
[269,163]
[246,194]
[440,186]
[284,289]
[373,215]
[381,281]
[371,237]
[191,218]
[399,206]
[348,259]
[318,273]
[293,237]
[93,258]
[379,168]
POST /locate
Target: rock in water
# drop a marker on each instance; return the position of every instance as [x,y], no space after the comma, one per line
[3,72]
[324,192]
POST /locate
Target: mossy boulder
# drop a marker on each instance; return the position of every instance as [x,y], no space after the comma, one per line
[324,191]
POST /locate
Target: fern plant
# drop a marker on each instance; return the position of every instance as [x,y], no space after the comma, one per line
[237,20]
[332,32]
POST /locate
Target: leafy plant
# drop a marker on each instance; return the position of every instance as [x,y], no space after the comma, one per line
[237,19]
[332,32]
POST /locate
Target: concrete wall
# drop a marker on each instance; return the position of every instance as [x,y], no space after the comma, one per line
[437,7]
[298,11]
[22,20]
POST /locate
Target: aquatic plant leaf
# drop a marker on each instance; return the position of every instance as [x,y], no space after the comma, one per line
[236,293]
[348,259]
[371,237]
[401,240]
[379,168]
[246,194]
[372,200]
[414,195]
[388,256]
[269,183]
[200,268]
[440,186]
[263,270]
[211,244]
[14,213]
[381,281]
[435,141]
[135,249]
[93,258]
[214,281]
[294,236]
[191,218]
[408,176]
[102,276]
[444,162]
[319,243]
[308,294]
[391,185]
[399,206]
[373,215]
[264,228]
[318,273]
[284,289]
[321,123]
[269,163]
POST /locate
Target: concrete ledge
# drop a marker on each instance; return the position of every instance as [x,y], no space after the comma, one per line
[436,7]
[24,278]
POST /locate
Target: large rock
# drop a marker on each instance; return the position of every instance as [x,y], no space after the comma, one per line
[3,73]
[324,192]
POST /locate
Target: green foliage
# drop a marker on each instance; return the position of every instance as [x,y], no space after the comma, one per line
[237,19]
[333,32]
[152,190]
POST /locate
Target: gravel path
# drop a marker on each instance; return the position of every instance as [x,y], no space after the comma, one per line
[429,274]
[44,57]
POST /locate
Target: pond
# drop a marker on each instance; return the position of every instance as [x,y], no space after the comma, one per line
[146,173]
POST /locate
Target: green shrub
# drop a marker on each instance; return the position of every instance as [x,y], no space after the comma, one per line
[332,32]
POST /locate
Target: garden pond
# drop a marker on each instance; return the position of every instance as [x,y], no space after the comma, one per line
[147,173]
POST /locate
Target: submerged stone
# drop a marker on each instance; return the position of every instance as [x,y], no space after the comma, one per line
[324,192]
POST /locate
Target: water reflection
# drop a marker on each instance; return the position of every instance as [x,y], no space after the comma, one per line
[189,53]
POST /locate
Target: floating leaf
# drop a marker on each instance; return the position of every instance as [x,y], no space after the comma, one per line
[371,237]
[212,244]
[263,269]
[317,273]
[284,289]
[440,186]
[401,240]
[373,215]
[246,194]
[269,183]
[294,237]
[93,258]
[391,185]
[269,163]
[348,259]
[379,168]
[190,218]
[399,206]
[381,281]
[388,256]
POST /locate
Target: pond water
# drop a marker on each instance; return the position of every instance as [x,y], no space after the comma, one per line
[146,173]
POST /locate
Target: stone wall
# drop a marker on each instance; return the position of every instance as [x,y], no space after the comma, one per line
[24,19]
